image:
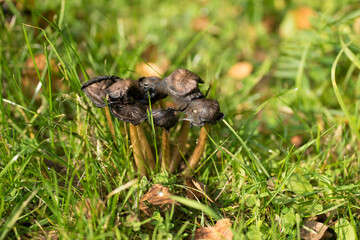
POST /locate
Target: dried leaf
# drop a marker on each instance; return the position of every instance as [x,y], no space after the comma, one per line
[196,189]
[302,17]
[221,231]
[328,217]
[30,80]
[356,25]
[158,196]
[297,140]
[313,230]
[240,70]
[200,23]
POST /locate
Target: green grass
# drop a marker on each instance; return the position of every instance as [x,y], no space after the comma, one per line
[56,148]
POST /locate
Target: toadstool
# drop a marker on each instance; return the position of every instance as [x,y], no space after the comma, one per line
[148,87]
[202,111]
[166,119]
[182,86]
[95,89]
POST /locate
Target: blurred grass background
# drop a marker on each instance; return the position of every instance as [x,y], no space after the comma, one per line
[285,72]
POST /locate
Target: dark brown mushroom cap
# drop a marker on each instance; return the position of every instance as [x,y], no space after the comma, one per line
[148,86]
[204,110]
[124,91]
[182,86]
[133,113]
[95,88]
[164,118]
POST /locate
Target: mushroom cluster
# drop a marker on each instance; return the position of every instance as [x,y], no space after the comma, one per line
[131,100]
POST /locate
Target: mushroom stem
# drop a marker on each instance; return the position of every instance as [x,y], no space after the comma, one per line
[145,146]
[138,156]
[199,149]
[111,126]
[165,142]
[184,133]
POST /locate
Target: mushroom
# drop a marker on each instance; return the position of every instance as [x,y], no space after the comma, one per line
[124,91]
[202,111]
[148,87]
[166,119]
[122,96]
[128,99]
[133,113]
[95,89]
[182,86]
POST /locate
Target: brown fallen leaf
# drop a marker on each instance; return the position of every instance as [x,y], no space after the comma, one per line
[158,196]
[221,231]
[200,23]
[313,230]
[40,61]
[196,189]
[240,70]
[328,217]
[302,17]
[30,79]
[297,140]
[356,25]
[203,22]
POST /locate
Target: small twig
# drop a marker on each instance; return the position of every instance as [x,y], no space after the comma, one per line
[184,133]
[198,151]
[165,143]
[223,189]
[138,156]
[111,126]
[145,146]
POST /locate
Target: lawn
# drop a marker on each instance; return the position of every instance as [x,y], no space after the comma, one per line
[284,163]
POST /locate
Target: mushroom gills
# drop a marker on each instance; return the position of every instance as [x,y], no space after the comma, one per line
[164,118]
[133,113]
